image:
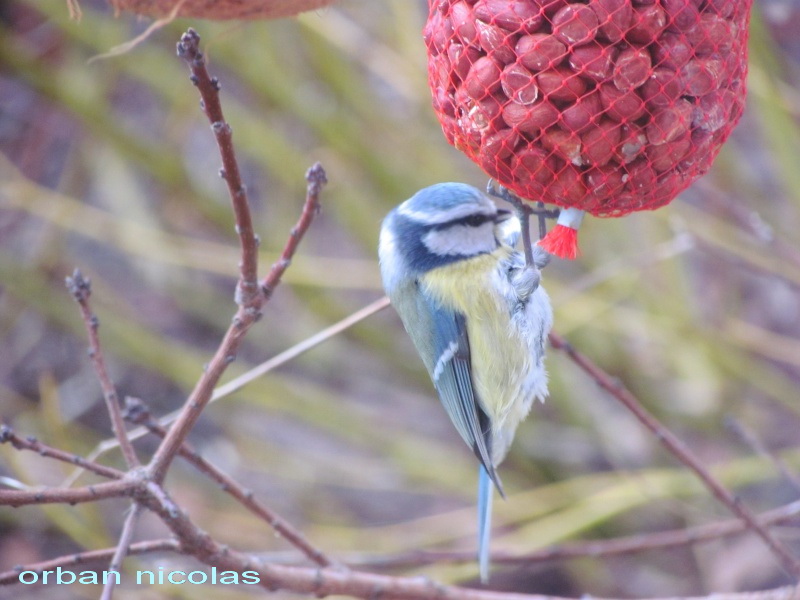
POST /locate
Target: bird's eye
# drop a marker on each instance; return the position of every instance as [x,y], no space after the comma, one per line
[476,220]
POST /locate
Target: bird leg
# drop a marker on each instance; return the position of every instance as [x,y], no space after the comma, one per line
[534,255]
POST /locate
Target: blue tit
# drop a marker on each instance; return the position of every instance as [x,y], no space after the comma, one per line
[477,316]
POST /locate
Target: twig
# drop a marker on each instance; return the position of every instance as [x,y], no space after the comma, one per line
[189,50]
[331,581]
[80,558]
[250,298]
[316,179]
[80,288]
[598,548]
[122,549]
[297,350]
[137,412]
[7,435]
[749,437]
[249,376]
[680,451]
[90,493]
[158,493]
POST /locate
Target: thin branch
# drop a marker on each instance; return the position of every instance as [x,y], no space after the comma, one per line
[316,180]
[123,547]
[158,493]
[80,558]
[249,376]
[333,581]
[80,288]
[7,435]
[297,350]
[330,581]
[680,451]
[137,412]
[90,493]
[751,439]
[249,296]
[189,50]
[594,549]
[201,394]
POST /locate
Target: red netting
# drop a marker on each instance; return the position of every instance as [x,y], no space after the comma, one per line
[609,106]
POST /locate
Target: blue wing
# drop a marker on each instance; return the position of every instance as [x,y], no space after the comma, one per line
[452,377]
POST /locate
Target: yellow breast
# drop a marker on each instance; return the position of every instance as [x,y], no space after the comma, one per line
[500,357]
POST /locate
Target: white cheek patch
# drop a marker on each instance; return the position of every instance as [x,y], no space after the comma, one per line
[461,240]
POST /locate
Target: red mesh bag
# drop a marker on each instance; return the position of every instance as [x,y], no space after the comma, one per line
[603,106]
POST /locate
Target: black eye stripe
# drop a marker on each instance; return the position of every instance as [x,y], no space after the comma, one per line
[475,220]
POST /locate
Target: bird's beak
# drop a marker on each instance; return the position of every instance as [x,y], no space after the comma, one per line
[503,215]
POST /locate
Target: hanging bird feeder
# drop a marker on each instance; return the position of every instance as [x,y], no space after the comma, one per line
[602,106]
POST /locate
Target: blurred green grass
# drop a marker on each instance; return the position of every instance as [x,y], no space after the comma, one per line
[110,166]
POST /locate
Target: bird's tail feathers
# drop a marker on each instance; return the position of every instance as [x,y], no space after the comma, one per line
[485,492]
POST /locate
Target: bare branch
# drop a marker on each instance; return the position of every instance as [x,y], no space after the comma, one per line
[80,288]
[189,49]
[80,558]
[751,439]
[90,493]
[594,549]
[249,296]
[201,394]
[138,413]
[316,179]
[122,549]
[7,435]
[327,581]
[680,451]
[258,371]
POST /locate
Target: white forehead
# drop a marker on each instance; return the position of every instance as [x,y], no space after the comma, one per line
[445,202]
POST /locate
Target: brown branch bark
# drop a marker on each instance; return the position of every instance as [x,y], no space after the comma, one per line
[752,440]
[89,556]
[329,581]
[137,412]
[250,297]
[258,371]
[189,50]
[80,288]
[594,549]
[90,493]
[7,435]
[315,179]
[122,550]
[678,449]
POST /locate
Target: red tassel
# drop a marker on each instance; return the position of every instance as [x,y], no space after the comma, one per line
[561,241]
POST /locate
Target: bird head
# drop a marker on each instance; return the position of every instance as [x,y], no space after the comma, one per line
[442,224]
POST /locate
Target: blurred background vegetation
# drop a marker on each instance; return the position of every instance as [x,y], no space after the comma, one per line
[109,165]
